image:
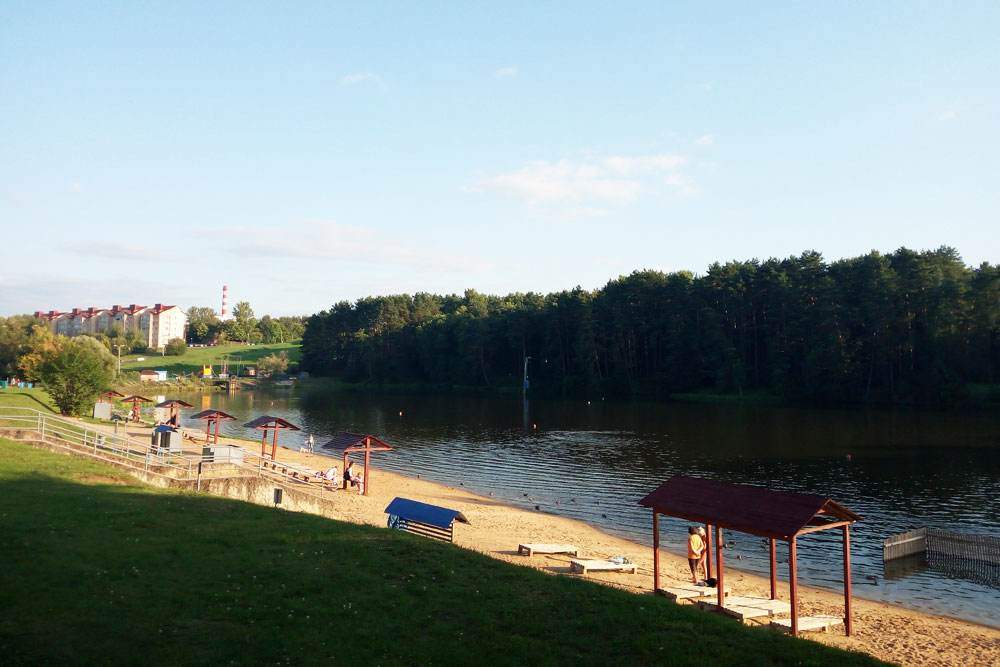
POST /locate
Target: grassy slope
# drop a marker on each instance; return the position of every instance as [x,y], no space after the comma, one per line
[101,570]
[195,357]
[36,399]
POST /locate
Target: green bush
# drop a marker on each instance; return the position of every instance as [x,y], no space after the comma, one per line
[176,347]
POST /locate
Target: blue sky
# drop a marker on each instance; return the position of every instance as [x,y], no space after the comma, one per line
[307,153]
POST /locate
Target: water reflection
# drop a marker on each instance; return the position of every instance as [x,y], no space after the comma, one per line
[594,460]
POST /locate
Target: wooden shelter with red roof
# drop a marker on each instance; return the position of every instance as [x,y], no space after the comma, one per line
[268,423]
[354,442]
[212,418]
[175,406]
[775,515]
[111,395]
[135,401]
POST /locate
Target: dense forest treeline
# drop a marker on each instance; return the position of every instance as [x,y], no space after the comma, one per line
[904,327]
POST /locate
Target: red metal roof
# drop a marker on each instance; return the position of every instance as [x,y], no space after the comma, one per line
[354,442]
[213,414]
[271,422]
[747,509]
[136,399]
[173,401]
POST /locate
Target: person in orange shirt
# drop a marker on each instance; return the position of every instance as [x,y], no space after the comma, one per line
[696,548]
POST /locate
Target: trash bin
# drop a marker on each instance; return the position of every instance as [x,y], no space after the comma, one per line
[3,384]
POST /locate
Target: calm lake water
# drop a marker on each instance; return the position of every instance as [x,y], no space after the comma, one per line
[907,469]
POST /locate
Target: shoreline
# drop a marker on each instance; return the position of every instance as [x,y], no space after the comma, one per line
[889,632]
[675,548]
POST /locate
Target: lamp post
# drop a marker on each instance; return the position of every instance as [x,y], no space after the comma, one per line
[119,347]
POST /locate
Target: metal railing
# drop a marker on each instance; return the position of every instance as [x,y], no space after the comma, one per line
[173,462]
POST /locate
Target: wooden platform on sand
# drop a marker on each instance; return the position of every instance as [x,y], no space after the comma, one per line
[585,566]
[690,592]
[532,549]
[821,622]
[744,607]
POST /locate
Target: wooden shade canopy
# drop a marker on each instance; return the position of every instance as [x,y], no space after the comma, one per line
[175,406]
[135,401]
[111,395]
[775,515]
[268,423]
[212,418]
[354,442]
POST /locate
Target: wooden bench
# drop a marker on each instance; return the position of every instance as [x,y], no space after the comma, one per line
[584,566]
[423,519]
[532,549]
[820,622]
[690,592]
[744,607]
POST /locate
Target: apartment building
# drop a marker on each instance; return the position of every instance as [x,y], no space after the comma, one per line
[157,324]
[161,323]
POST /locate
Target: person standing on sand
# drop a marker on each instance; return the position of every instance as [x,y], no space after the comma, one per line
[704,553]
[696,549]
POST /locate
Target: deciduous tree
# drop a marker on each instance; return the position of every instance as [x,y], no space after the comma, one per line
[76,372]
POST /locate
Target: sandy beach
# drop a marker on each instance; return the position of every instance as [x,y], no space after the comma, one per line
[496,529]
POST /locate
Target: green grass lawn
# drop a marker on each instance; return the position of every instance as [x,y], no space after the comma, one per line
[195,357]
[34,398]
[98,569]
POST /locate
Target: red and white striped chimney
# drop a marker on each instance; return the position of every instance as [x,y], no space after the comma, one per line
[225,300]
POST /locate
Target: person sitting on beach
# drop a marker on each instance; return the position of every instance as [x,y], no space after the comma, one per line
[330,474]
[350,477]
[696,547]
[360,481]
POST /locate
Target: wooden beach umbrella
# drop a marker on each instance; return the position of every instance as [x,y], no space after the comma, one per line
[175,406]
[212,418]
[354,442]
[775,515]
[135,401]
[268,423]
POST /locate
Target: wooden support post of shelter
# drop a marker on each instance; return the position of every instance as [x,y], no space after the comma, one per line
[175,405]
[212,418]
[775,515]
[268,423]
[135,401]
[355,442]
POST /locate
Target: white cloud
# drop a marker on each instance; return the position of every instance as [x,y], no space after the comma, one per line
[27,293]
[543,181]
[75,186]
[645,164]
[948,115]
[326,240]
[360,77]
[705,140]
[505,73]
[114,250]
[617,179]
[682,184]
